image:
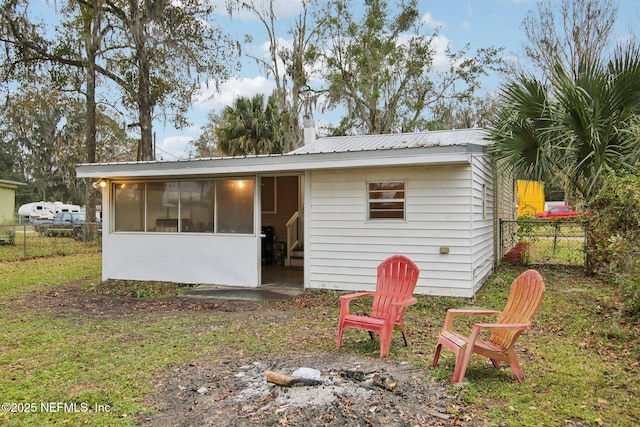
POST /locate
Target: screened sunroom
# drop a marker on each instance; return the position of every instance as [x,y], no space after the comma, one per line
[213,206]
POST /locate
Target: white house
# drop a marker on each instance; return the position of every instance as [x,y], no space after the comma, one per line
[343,203]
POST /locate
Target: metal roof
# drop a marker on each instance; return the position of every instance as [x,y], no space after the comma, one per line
[442,147]
[340,144]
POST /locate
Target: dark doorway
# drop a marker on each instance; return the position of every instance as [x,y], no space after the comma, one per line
[281,218]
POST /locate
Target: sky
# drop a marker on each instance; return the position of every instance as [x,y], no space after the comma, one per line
[480,23]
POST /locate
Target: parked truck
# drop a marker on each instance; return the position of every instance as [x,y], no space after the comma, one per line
[64,224]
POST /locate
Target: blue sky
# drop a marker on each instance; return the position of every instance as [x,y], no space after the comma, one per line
[481,23]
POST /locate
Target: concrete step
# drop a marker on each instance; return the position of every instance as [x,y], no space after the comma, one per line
[296,262]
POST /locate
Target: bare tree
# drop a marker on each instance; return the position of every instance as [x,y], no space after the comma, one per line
[287,64]
[568,31]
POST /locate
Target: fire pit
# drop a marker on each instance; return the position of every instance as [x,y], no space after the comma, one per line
[351,390]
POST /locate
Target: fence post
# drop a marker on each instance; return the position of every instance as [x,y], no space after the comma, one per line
[24,239]
[500,222]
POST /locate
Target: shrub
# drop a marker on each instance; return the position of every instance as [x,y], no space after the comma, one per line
[613,244]
[518,255]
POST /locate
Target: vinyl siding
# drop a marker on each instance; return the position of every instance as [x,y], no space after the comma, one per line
[506,203]
[343,248]
[482,219]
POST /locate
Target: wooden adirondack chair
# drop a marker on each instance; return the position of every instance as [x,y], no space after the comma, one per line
[527,291]
[397,277]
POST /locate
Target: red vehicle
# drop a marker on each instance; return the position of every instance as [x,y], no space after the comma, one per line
[558,212]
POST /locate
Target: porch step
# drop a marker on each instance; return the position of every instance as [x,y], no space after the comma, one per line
[296,259]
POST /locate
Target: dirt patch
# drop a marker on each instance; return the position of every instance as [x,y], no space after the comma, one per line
[107,300]
[234,392]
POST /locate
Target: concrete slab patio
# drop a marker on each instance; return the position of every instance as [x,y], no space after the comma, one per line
[279,283]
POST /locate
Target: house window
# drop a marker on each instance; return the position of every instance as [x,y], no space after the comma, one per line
[129,207]
[197,206]
[234,205]
[386,200]
[220,206]
[162,206]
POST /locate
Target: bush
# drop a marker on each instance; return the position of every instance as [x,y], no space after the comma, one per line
[613,245]
[518,255]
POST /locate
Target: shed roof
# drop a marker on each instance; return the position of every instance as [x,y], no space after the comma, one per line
[341,144]
[6,183]
[442,147]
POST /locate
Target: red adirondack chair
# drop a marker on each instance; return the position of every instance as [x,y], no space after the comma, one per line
[525,298]
[397,277]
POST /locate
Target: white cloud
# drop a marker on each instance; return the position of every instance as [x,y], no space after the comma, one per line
[441,61]
[465,26]
[212,99]
[282,8]
[428,19]
[173,147]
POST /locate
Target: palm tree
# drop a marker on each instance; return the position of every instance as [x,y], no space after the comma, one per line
[575,129]
[251,126]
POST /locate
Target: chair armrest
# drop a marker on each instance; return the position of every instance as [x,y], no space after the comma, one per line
[350,297]
[478,327]
[455,312]
[396,308]
[345,300]
[406,303]
[491,326]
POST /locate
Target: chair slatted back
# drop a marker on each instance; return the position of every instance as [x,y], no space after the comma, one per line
[397,278]
[525,298]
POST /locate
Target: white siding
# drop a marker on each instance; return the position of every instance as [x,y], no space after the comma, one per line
[181,258]
[343,248]
[482,219]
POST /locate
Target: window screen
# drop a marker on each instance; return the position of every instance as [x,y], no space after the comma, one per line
[129,207]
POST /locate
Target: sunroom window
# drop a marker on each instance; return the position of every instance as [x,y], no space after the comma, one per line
[129,207]
[197,206]
[162,206]
[234,205]
[220,206]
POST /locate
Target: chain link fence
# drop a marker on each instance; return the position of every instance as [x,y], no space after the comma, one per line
[24,241]
[552,242]
[7,234]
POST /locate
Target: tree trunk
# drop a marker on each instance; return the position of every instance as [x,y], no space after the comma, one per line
[145,113]
[92,40]
[143,95]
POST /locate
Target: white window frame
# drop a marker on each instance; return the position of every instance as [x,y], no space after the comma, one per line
[371,200]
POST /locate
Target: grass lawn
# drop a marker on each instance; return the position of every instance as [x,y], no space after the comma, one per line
[581,361]
[31,245]
[557,242]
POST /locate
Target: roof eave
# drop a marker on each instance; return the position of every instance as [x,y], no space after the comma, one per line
[460,154]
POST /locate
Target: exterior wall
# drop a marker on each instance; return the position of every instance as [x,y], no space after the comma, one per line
[7,204]
[224,260]
[343,248]
[506,204]
[183,258]
[506,196]
[483,214]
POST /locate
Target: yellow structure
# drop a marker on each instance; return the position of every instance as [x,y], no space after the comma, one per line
[8,200]
[530,198]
